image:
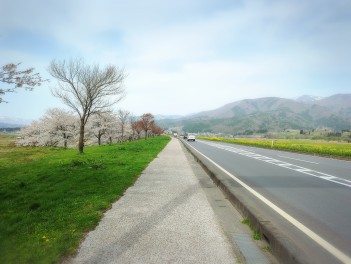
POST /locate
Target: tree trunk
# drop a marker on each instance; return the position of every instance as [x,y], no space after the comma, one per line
[81,136]
[65,140]
[99,139]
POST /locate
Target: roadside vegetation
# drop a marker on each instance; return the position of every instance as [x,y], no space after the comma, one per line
[323,135]
[318,147]
[51,197]
[256,234]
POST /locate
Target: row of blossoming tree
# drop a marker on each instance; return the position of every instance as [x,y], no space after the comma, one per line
[90,92]
[60,128]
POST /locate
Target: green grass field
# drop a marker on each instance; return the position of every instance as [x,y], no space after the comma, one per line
[324,148]
[50,197]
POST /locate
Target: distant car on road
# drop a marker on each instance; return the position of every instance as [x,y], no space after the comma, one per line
[191,137]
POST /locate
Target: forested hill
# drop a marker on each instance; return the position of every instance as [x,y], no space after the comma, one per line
[270,114]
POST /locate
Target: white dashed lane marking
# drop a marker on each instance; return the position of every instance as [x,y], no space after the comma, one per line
[299,159]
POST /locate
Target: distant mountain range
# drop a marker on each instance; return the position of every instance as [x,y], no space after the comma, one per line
[9,122]
[270,114]
[160,117]
[258,115]
[308,99]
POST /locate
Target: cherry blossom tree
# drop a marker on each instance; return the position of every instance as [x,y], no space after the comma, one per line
[62,126]
[137,127]
[15,78]
[31,135]
[156,130]
[102,125]
[147,121]
[56,128]
[122,116]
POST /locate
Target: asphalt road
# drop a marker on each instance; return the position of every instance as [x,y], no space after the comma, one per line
[311,196]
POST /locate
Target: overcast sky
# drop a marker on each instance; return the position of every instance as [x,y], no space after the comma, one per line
[182,56]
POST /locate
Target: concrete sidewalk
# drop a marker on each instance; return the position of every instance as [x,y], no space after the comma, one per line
[164,218]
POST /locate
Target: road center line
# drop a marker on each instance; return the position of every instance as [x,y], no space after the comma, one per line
[280,163]
[315,237]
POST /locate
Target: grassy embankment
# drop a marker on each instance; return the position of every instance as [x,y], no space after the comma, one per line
[50,197]
[323,148]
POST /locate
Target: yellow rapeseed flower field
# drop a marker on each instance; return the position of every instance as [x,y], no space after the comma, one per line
[307,146]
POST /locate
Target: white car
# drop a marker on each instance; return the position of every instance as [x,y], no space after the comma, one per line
[191,137]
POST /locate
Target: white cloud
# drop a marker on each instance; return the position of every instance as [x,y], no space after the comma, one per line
[188,56]
[201,86]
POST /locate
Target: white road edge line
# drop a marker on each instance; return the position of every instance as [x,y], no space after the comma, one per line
[298,159]
[315,237]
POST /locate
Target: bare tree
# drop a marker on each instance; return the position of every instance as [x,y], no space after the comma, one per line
[87,89]
[122,116]
[26,79]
